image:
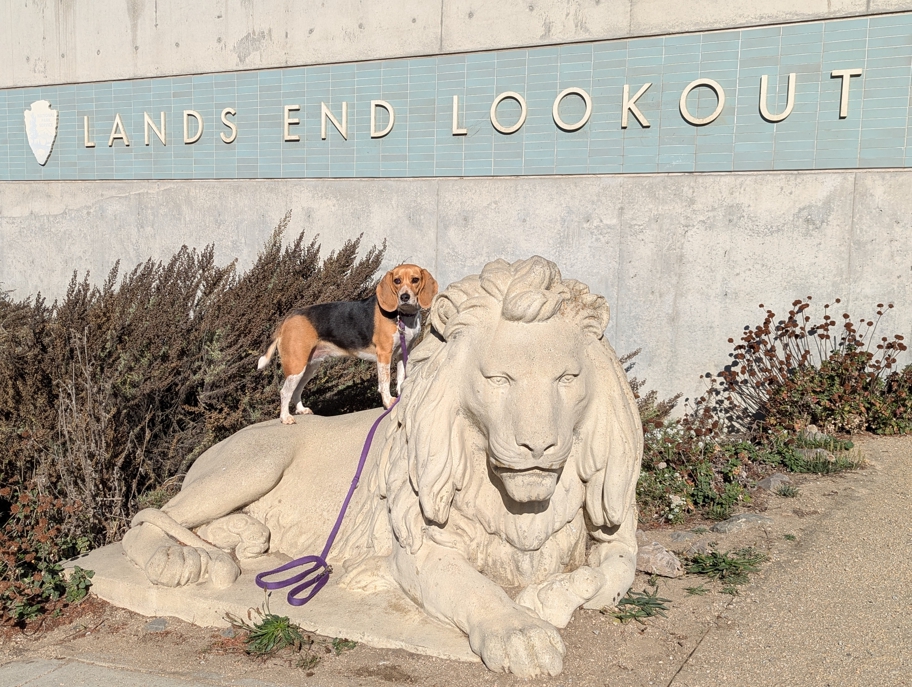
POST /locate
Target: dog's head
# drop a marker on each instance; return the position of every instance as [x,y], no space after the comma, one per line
[406,288]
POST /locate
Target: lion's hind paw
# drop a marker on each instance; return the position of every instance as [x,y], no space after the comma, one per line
[178,566]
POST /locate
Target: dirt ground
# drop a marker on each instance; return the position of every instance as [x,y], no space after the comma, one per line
[600,649]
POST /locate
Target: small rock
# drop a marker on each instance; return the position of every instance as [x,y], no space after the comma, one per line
[683,536]
[741,522]
[698,547]
[657,560]
[156,625]
[774,481]
[811,433]
[229,632]
[815,454]
[662,465]
[689,543]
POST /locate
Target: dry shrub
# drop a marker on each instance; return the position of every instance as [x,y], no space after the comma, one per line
[832,372]
[654,413]
[107,396]
[785,375]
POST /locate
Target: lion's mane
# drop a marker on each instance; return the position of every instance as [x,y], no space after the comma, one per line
[427,473]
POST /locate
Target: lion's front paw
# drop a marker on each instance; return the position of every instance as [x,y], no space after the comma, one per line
[177,566]
[555,599]
[513,641]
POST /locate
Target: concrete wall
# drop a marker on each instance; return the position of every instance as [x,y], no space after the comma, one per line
[66,41]
[684,260]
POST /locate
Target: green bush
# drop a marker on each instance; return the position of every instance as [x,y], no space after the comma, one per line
[684,469]
[37,532]
[786,375]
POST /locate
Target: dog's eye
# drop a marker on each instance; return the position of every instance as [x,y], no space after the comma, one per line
[568,378]
[415,280]
[397,281]
[498,380]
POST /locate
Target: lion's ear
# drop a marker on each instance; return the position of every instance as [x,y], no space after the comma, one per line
[613,442]
[450,300]
[598,312]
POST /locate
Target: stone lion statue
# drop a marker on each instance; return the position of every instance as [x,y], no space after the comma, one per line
[501,500]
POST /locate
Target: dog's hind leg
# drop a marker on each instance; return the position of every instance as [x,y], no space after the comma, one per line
[291,385]
[297,341]
[308,374]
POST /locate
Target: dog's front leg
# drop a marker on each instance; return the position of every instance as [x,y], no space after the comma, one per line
[383,382]
[505,635]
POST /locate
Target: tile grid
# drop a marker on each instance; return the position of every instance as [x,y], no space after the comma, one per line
[875,134]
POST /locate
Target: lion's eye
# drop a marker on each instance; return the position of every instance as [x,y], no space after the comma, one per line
[568,378]
[498,380]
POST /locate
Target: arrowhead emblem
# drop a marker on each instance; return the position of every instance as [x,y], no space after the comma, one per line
[41,128]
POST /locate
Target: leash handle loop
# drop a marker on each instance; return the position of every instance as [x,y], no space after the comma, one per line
[317,575]
[315,581]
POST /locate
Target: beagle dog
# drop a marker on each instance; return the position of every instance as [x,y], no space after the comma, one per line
[360,329]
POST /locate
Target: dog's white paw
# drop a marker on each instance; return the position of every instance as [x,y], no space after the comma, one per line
[301,410]
[288,420]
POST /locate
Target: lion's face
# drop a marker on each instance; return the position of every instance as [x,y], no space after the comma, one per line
[526,393]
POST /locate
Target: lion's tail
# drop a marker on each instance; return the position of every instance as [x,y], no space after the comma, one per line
[264,359]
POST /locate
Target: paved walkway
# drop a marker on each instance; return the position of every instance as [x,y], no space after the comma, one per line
[838,612]
[71,673]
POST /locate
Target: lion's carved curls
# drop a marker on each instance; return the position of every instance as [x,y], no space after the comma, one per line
[427,462]
[516,439]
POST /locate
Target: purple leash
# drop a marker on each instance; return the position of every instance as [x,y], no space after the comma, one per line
[317,575]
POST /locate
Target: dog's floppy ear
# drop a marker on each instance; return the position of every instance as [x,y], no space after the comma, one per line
[428,289]
[386,293]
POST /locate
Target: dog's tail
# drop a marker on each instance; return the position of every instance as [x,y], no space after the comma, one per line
[264,359]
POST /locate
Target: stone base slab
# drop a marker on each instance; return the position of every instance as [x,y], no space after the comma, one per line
[385,620]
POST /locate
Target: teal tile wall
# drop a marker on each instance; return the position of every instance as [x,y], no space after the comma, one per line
[875,134]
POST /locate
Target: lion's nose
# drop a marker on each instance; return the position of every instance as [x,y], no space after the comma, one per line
[537,447]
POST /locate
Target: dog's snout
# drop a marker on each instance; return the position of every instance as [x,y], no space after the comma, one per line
[405,298]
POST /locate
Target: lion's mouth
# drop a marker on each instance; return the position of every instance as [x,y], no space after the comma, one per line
[532,484]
